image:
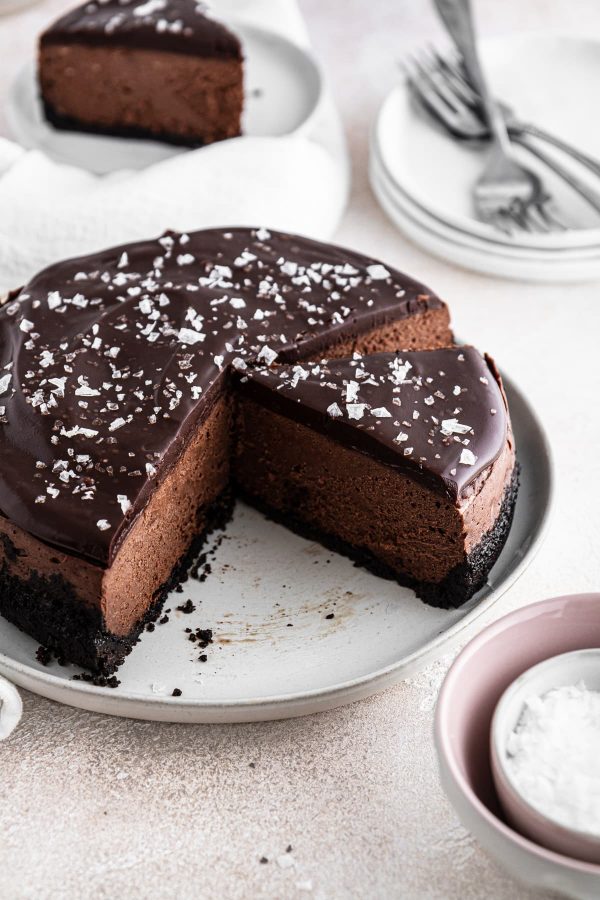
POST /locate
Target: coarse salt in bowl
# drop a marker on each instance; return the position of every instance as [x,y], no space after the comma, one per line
[545,753]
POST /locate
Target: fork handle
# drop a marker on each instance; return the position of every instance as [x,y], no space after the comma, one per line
[457,16]
[580,187]
[541,134]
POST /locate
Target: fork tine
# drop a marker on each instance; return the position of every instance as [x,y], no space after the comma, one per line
[502,221]
[514,220]
[538,222]
[517,211]
[546,215]
[455,77]
[439,84]
[426,91]
[431,89]
[548,211]
[528,214]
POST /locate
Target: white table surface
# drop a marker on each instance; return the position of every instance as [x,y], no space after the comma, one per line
[94,806]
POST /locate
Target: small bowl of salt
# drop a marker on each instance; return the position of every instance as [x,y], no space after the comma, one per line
[545,753]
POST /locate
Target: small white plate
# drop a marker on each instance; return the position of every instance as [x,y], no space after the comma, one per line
[275,652]
[283,91]
[458,248]
[486,244]
[550,81]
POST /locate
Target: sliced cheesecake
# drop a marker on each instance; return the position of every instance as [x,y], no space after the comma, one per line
[160,69]
[403,461]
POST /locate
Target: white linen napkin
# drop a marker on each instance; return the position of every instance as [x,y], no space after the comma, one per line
[49,211]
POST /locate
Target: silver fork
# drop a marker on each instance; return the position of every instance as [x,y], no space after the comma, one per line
[461,113]
[439,100]
[506,189]
[517,128]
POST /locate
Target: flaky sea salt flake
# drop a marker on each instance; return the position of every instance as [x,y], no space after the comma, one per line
[377,272]
[189,336]
[453,426]
[355,410]
[352,389]
[467,458]
[124,503]
[268,355]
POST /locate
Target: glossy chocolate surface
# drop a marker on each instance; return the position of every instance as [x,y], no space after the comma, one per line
[182,26]
[440,415]
[108,361]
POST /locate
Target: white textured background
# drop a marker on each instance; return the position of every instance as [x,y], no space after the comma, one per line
[101,807]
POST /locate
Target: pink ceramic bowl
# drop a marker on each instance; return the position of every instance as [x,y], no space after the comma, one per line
[469,695]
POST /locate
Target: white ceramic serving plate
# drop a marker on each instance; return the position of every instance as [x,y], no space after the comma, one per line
[558,671]
[266,579]
[549,80]
[283,88]
[523,264]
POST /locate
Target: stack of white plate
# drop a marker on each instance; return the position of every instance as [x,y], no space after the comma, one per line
[423,178]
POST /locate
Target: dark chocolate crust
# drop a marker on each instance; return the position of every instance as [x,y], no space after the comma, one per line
[178,25]
[454,590]
[67,123]
[47,609]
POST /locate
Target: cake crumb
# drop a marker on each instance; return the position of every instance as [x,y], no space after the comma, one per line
[43,655]
[176,692]
[110,681]
[187,607]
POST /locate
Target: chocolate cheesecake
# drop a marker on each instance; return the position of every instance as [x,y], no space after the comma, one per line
[404,461]
[155,69]
[118,409]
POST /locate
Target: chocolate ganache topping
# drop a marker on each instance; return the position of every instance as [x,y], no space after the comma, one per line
[107,362]
[438,414]
[179,25]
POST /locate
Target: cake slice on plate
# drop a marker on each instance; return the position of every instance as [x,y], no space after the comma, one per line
[156,69]
[403,461]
